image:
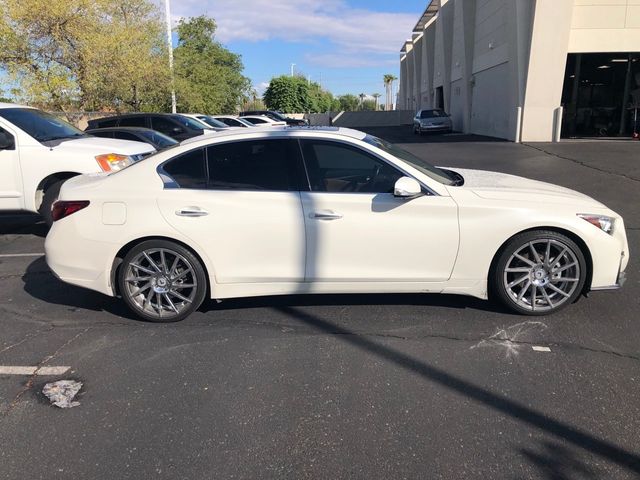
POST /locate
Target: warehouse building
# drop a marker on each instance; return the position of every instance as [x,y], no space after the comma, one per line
[527,70]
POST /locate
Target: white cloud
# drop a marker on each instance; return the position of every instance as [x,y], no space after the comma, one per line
[348,31]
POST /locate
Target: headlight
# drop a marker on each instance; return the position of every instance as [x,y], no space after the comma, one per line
[112,162]
[603,222]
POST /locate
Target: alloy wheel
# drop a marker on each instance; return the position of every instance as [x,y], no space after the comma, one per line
[541,275]
[161,283]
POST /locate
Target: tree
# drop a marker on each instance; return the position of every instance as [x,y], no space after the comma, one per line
[68,54]
[208,76]
[362,96]
[297,95]
[348,102]
[389,78]
[376,97]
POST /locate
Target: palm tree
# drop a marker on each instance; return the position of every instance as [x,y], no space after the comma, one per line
[376,96]
[362,97]
[389,78]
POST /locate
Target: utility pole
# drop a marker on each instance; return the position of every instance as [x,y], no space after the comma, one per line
[292,66]
[170,48]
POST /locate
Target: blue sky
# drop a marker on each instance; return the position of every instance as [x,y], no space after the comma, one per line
[348,45]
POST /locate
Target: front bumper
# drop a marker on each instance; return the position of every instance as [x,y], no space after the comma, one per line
[620,279]
[434,128]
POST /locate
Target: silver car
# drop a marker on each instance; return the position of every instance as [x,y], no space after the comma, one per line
[433,120]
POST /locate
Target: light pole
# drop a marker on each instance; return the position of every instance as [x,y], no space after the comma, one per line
[292,66]
[170,47]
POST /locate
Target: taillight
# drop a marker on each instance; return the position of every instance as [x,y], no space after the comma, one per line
[63,208]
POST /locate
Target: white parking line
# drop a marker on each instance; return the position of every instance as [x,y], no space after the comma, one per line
[16,255]
[20,370]
[540,349]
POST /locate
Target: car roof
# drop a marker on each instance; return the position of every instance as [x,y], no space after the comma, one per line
[276,132]
[14,105]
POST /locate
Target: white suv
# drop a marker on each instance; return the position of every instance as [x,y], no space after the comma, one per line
[39,152]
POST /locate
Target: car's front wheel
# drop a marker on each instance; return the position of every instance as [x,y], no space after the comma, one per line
[161,281]
[539,272]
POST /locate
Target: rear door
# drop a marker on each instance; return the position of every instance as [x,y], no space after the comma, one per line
[240,202]
[11,189]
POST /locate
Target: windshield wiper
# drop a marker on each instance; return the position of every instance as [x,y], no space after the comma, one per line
[61,137]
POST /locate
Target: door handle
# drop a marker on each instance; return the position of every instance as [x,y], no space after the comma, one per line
[326,215]
[191,212]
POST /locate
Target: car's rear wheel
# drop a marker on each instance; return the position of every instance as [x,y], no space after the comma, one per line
[161,281]
[539,273]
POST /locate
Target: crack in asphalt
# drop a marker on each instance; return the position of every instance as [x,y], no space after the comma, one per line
[27,386]
[27,337]
[581,163]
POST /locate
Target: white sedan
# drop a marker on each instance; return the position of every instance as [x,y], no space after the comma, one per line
[263,121]
[325,210]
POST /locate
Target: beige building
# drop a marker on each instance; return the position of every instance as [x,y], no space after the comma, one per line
[527,70]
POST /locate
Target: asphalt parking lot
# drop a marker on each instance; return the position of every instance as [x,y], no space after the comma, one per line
[336,386]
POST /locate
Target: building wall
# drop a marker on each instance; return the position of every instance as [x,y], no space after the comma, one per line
[501,63]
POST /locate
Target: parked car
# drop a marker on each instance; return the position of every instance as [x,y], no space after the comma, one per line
[263,121]
[158,140]
[277,116]
[326,210]
[178,127]
[39,151]
[208,121]
[433,120]
[234,121]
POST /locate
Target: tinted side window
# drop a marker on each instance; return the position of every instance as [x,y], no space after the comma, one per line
[127,136]
[110,122]
[336,167]
[273,165]
[256,120]
[164,125]
[98,133]
[189,169]
[137,121]
[6,140]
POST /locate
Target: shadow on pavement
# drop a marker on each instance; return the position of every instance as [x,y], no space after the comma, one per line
[404,134]
[516,410]
[40,283]
[458,302]
[23,224]
[556,462]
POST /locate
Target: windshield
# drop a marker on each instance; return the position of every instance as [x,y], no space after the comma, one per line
[278,116]
[42,126]
[439,175]
[159,139]
[189,122]
[213,122]
[432,114]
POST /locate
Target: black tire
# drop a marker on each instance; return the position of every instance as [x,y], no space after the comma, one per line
[545,278]
[50,197]
[158,314]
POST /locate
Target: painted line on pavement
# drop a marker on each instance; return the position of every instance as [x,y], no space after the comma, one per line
[23,370]
[10,255]
[540,349]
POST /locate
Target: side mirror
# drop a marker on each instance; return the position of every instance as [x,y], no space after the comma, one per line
[7,141]
[407,187]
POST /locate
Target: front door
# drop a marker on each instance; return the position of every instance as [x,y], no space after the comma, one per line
[240,202]
[357,231]
[11,197]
